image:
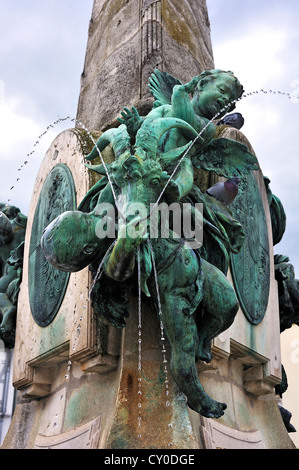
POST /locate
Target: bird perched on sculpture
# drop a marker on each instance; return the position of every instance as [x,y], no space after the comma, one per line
[235,120]
[225,191]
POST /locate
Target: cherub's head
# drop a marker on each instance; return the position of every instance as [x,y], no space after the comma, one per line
[10,211]
[69,243]
[215,90]
[6,230]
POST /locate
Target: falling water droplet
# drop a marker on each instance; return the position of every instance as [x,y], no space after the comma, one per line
[139,327]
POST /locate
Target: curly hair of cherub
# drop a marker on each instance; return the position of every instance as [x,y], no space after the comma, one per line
[212,74]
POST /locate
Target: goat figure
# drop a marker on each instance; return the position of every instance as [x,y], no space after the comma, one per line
[197,300]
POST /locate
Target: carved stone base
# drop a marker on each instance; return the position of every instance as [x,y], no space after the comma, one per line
[86,410]
[218,436]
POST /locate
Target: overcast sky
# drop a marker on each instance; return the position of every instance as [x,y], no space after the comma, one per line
[259,41]
[42,51]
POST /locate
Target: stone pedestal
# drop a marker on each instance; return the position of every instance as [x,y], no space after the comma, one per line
[78,381]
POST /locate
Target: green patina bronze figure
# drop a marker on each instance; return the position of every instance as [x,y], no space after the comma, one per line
[288,285]
[12,236]
[213,93]
[197,300]
[288,292]
[288,288]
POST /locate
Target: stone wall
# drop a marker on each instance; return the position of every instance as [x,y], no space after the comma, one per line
[127,40]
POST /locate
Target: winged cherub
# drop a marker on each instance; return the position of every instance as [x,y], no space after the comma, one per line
[213,94]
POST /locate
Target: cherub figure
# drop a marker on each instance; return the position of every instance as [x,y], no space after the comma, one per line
[213,94]
[198,301]
[12,235]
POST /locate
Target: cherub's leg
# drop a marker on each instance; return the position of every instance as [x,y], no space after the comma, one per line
[6,280]
[8,322]
[181,331]
[219,306]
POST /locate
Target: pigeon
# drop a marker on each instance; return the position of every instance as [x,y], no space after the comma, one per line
[225,192]
[235,120]
[286,417]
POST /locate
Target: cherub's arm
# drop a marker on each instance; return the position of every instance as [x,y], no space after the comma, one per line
[133,121]
[181,104]
[182,108]
[120,264]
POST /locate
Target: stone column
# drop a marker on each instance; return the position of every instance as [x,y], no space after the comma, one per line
[127,40]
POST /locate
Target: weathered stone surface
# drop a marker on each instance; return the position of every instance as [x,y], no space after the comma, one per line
[127,41]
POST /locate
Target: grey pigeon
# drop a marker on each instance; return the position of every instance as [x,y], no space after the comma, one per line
[235,120]
[225,191]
